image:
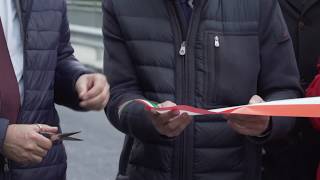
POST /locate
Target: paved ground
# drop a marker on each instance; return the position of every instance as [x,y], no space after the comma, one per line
[96,158]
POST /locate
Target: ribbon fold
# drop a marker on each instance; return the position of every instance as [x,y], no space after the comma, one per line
[300,107]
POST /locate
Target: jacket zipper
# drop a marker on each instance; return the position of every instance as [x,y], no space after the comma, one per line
[216,46]
[184,35]
[211,91]
[182,52]
[216,41]
[184,38]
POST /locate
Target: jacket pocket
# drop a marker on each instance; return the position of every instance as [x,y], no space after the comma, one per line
[232,68]
[211,59]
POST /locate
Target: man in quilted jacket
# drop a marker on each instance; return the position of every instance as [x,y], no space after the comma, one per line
[38,69]
[202,53]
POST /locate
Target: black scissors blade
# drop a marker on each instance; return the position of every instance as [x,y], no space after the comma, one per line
[61,136]
[67,136]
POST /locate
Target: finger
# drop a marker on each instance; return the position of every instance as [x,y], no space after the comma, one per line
[42,141]
[185,121]
[166,117]
[179,120]
[108,95]
[251,120]
[83,85]
[104,103]
[49,129]
[99,84]
[256,99]
[240,129]
[174,123]
[39,151]
[95,103]
[257,126]
[166,104]
[35,158]
[154,113]
[250,129]
[243,119]
[249,124]
[240,117]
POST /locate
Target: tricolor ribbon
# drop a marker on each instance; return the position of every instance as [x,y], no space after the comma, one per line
[300,107]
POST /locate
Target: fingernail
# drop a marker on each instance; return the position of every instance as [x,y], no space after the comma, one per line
[185,115]
[176,112]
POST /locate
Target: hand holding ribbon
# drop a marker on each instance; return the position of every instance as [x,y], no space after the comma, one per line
[170,123]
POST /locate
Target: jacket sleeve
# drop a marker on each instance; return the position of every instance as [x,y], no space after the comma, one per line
[124,84]
[68,69]
[314,90]
[4,123]
[279,76]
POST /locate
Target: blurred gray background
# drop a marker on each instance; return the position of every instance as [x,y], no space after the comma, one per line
[96,158]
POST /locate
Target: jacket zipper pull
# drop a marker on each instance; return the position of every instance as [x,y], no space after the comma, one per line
[216,41]
[182,50]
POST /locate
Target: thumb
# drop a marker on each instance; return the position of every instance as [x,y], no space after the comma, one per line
[166,104]
[48,129]
[82,86]
[256,99]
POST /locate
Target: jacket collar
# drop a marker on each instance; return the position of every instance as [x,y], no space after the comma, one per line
[297,4]
[19,12]
[18,7]
[309,4]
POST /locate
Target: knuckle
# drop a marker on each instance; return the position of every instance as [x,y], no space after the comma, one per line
[38,160]
[45,153]
[28,147]
[25,156]
[32,136]
[49,144]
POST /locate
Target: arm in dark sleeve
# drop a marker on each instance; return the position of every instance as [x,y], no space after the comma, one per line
[279,76]
[68,69]
[4,123]
[124,84]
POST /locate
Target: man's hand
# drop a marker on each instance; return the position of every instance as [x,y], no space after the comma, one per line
[24,144]
[93,91]
[247,124]
[172,123]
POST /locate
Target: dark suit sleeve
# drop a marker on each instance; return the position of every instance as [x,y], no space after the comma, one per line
[124,84]
[68,69]
[4,123]
[279,76]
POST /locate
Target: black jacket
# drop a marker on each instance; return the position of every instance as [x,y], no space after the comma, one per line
[50,73]
[304,27]
[299,153]
[234,49]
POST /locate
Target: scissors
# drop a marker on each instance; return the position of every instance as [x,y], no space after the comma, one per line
[61,136]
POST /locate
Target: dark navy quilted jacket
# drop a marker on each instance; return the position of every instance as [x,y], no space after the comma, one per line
[233,50]
[50,73]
